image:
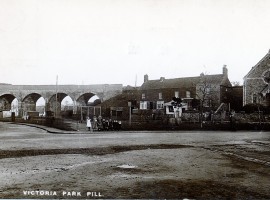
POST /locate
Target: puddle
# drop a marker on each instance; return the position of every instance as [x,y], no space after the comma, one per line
[123,175]
[127,166]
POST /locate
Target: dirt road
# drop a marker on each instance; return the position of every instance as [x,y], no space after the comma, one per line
[200,165]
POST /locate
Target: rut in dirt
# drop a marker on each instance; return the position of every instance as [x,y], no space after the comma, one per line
[86,151]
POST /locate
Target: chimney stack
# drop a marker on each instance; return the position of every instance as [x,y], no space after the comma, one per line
[225,70]
[145,78]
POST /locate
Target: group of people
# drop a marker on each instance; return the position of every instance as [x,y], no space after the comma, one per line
[100,124]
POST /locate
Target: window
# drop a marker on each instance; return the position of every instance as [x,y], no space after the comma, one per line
[143,95]
[254,98]
[171,109]
[188,94]
[189,105]
[151,105]
[160,104]
[160,95]
[176,94]
[116,113]
[266,76]
[207,90]
[210,103]
[143,105]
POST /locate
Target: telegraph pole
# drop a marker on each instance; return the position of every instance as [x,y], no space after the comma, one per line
[129,105]
[56,105]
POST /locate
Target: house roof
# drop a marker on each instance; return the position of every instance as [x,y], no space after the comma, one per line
[184,82]
[258,64]
[128,87]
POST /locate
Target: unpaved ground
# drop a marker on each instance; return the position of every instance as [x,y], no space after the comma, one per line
[164,168]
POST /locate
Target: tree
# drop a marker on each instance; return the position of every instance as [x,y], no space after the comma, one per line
[207,92]
[235,83]
[177,101]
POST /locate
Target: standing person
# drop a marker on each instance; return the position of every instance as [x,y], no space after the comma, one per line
[232,120]
[119,125]
[88,124]
[104,124]
[107,125]
[95,123]
[110,124]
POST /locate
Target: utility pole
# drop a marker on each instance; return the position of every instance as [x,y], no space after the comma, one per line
[56,88]
[129,105]
[81,114]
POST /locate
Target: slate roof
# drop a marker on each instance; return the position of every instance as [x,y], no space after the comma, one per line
[267,56]
[186,82]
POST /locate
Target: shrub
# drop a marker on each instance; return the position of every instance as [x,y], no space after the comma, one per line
[252,108]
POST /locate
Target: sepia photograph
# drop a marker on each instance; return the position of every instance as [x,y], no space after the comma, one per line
[134,99]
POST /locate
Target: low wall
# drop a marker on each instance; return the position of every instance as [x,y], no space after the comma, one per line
[254,117]
[44,121]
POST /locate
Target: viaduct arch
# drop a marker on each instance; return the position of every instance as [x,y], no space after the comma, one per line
[27,95]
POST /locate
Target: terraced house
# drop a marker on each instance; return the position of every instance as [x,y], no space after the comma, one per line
[207,91]
[256,88]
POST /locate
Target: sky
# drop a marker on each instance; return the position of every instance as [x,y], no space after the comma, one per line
[119,41]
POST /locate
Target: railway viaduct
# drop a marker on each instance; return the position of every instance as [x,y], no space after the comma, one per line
[27,95]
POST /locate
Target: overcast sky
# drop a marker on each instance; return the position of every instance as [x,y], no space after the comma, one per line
[113,41]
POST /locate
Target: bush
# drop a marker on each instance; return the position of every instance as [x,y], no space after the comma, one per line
[252,108]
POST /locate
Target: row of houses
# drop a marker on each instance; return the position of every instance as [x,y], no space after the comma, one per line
[155,97]
[207,93]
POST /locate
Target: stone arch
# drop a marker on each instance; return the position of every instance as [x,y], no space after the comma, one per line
[15,106]
[5,102]
[94,100]
[67,103]
[83,99]
[266,76]
[29,101]
[54,102]
[41,105]
[85,108]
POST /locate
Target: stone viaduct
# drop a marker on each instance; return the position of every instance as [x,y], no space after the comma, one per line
[27,95]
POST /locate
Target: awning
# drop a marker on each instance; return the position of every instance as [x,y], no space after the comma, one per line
[168,103]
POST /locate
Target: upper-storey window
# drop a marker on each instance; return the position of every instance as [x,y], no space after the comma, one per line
[160,95]
[188,94]
[207,90]
[143,95]
[266,76]
[254,98]
[176,94]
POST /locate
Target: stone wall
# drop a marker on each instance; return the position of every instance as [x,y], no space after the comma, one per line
[254,82]
[27,95]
